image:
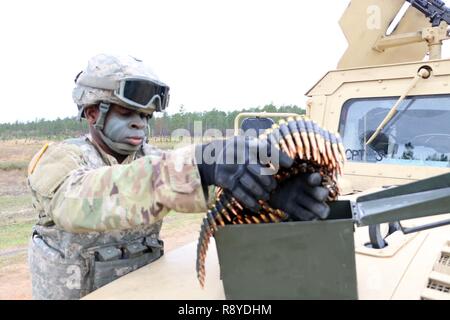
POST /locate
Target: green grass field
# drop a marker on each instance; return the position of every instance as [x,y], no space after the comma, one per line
[14,203]
[15,235]
[13,165]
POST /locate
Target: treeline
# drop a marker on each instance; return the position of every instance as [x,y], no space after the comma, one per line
[160,126]
[58,129]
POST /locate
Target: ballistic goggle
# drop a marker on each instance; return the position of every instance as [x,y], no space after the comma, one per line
[144,94]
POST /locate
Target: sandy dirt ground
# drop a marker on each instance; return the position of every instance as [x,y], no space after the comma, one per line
[15,282]
[13,183]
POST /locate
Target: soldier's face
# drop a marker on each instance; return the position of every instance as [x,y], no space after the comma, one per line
[125,126]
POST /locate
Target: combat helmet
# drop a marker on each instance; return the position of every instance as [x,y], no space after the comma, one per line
[122,80]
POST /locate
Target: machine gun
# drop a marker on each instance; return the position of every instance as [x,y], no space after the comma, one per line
[433,9]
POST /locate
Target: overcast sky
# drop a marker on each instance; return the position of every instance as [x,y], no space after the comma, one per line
[214,54]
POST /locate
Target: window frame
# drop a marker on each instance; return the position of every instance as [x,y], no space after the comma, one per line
[342,123]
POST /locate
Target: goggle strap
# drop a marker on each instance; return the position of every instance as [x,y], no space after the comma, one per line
[100,123]
[98,83]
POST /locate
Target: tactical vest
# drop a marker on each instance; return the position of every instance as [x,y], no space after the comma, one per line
[65,265]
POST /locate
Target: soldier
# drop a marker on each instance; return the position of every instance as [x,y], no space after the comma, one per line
[101,198]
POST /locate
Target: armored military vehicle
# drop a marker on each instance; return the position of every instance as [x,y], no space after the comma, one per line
[390,101]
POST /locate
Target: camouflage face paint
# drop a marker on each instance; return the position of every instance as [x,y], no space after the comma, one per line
[124,134]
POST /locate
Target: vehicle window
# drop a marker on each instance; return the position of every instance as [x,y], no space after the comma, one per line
[418,134]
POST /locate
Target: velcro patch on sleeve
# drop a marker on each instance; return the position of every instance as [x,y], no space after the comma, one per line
[182,171]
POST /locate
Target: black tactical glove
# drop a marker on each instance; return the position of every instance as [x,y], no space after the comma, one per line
[302,198]
[236,164]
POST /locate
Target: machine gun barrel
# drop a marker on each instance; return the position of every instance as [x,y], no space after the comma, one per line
[415,200]
[433,9]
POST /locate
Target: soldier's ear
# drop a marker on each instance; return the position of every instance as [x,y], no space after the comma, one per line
[91,113]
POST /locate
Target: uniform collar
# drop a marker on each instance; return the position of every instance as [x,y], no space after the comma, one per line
[107,158]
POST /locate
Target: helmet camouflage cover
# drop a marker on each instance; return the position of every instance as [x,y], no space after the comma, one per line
[108,68]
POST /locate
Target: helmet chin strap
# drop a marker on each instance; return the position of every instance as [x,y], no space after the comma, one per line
[104,109]
[121,148]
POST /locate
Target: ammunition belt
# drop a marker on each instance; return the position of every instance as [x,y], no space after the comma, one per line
[313,148]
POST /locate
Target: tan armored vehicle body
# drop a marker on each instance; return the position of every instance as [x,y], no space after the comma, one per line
[391,105]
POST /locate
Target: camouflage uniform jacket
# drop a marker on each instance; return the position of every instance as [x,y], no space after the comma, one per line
[98,219]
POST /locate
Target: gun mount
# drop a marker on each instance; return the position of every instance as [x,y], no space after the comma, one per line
[366,26]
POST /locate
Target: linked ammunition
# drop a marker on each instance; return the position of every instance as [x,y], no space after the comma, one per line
[313,148]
